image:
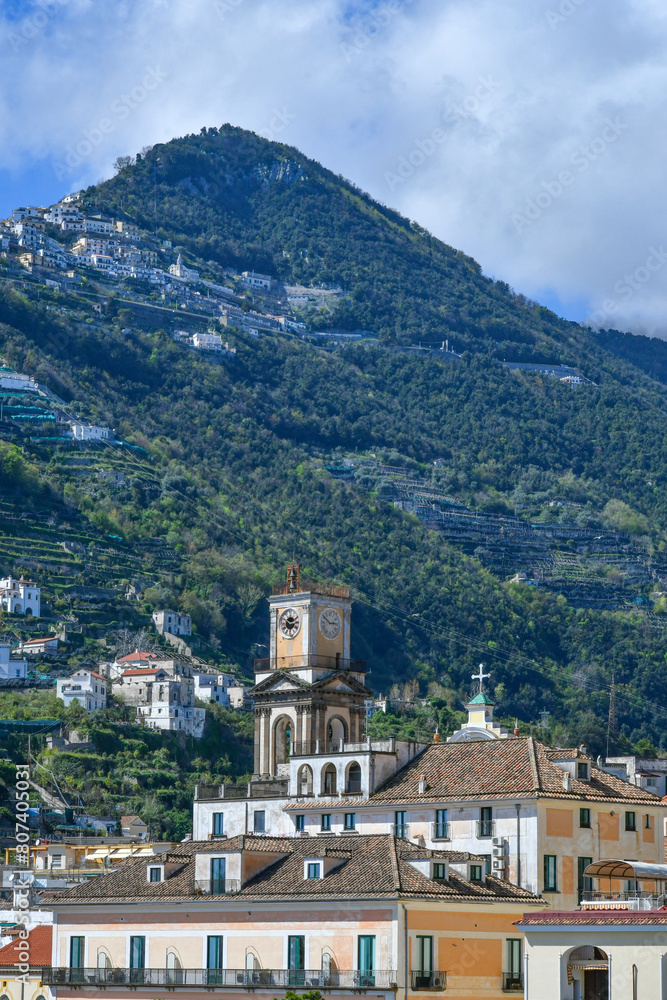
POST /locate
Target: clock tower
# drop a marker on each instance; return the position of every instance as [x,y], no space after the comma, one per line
[309,694]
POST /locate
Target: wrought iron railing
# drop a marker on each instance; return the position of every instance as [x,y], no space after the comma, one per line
[512,982]
[486,827]
[440,831]
[315,979]
[217,886]
[631,899]
[422,980]
[309,660]
[309,748]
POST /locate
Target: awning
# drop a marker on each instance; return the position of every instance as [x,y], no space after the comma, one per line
[636,870]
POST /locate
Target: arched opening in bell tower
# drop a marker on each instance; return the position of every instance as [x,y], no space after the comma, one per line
[282,736]
[336,734]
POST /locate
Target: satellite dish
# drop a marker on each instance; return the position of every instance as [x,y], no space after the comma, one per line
[37,843]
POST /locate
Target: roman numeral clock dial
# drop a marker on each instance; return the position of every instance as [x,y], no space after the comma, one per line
[289,623]
[330,623]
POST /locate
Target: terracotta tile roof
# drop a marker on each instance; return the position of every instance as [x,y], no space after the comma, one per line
[596,918]
[501,769]
[133,657]
[371,867]
[39,941]
[141,671]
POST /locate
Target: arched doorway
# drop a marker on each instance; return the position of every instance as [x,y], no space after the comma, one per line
[329,779]
[336,734]
[588,973]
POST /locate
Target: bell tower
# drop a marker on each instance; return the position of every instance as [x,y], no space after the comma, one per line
[308,693]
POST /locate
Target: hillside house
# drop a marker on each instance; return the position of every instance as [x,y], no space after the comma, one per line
[133,826]
[11,669]
[172,622]
[255,280]
[46,645]
[20,597]
[86,687]
[88,432]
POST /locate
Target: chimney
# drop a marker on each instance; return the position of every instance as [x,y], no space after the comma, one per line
[423,784]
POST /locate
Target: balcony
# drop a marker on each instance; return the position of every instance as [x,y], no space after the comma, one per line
[485,828]
[313,748]
[240,978]
[440,831]
[309,660]
[217,886]
[512,982]
[633,899]
[429,980]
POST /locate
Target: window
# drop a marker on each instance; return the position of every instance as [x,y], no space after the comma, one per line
[214,952]
[218,871]
[350,821]
[440,831]
[651,782]
[486,821]
[630,821]
[584,818]
[366,959]
[354,778]
[513,977]
[314,869]
[475,873]
[138,952]
[401,824]
[154,874]
[258,821]
[582,771]
[424,956]
[550,873]
[300,823]
[647,822]
[487,863]
[76,953]
[296,956]
[440,872]
[326,823]
[584,882]
[218,824]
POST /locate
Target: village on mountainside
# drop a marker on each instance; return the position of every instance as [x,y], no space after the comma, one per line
[467,864]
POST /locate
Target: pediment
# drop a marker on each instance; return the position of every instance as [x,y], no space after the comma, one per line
[279,681]
[341,683]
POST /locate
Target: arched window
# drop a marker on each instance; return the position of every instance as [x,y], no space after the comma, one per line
[354,777]
[336,734]
[329,780]
[282,735]
[305,780]
[103,959]
[174,968]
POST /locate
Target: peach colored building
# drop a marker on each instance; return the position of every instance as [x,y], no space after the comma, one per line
[352,915]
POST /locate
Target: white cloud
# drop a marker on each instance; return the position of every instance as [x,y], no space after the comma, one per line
[547,156]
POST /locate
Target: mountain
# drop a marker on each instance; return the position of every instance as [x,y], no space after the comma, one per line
[233,479]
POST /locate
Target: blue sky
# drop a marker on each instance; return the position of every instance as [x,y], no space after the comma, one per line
[525,132]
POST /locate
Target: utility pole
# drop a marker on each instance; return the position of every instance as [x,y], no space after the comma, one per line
[612,721]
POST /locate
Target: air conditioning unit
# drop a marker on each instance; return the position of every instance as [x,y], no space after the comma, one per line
[497,841]
[499,864]
[499,852]
[438,982]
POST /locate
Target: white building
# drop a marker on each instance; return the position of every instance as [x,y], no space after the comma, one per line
[20,597]
[88,432]
[214,687]
[172,622]
[10,379]
[207,341]
[179,270]
[172,707]
[11,669]
[86,687]
[649,773]
[255,280]
[38,647]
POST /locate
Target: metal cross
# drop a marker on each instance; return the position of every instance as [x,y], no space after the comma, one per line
[480,677]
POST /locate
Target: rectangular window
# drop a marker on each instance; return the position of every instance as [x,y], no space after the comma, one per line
[424,961]
[296,957]
[440,832]
[326,823]
[630,821]
[647,821]
[214,952]
[487,863]
[486,821]
[584,882]
[218,824]
[475,873]
[440,872]
[401,823]
[154,874]
[76,953]
[550,884]
[138,952]
[314,869]
[258,821]
[366,959]
[514,975]
[584,818]
[350,821]
[218,871]
[300,823]
[582,771]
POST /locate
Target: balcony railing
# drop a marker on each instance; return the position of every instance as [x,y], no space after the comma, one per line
[217,886]
[400,830]
[310,748]
[440,831]
[429,980]
[243,978]
[486,828]
[309,660]
[633,899]
[512,982]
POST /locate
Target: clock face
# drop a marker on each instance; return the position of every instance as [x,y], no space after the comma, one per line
[330,623]
[289,623]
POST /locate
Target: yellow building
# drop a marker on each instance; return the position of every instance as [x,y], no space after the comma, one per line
[354,915]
